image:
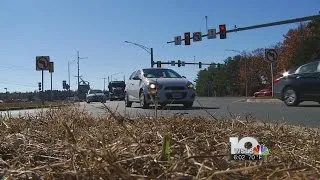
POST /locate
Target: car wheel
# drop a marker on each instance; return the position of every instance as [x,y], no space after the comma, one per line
[126,101]
[143,102]
[290,97]
[188,104]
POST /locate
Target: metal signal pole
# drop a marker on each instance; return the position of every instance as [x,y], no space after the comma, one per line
[78,58]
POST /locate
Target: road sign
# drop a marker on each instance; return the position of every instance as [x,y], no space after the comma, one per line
[42,63]
[271,55]
[177,40]
[197,36]
[212,33]
[173,63]
[51,67]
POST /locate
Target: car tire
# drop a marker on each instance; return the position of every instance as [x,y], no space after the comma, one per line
[290,97]
[143,102]
[126,101]
[188,104]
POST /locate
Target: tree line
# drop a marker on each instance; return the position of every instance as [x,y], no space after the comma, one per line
[249,69]
[36,96]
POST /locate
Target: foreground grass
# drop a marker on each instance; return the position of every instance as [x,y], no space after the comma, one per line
[70,144]
[30,105]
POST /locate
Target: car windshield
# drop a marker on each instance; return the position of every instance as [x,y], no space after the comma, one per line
[95,91]
[160,73]
[117,85]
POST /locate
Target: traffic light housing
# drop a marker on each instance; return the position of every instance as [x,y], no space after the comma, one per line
[187,38]
[159,64]
[179,63]
[39,86]
[223,31]
[64,84]
[200,65]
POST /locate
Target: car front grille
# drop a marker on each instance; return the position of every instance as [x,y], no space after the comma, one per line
[183,95]
[175,88]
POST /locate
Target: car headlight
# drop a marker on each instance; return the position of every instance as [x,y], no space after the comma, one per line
[190,86]
[152,86]
[285,74]
[155,86]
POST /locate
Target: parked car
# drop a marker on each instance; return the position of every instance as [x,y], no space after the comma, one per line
[171,88]
[302,85]
[95,95]
[264,92]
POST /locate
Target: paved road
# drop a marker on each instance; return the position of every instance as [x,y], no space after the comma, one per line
[308,113]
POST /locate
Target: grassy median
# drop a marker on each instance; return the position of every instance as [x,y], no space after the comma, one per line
[30,105]
[68,143]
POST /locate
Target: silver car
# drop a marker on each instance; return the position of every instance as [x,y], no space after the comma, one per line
[164,85]
[95,95]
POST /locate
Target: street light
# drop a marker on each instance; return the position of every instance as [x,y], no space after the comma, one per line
[245,68]
[149,50]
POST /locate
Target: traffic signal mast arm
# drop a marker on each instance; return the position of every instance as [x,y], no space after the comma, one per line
[307,18]
[208,64]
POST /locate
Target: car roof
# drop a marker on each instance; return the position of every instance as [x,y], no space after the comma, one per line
[155,68]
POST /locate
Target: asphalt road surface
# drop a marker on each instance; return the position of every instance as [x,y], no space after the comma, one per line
[306,114]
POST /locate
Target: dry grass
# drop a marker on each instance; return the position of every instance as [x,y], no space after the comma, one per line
[29,105]
[70,144]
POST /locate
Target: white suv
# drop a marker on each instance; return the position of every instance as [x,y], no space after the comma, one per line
[170,88]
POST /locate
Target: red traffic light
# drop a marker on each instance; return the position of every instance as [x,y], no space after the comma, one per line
[223,31]
[187,38]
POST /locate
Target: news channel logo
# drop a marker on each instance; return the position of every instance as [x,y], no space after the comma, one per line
[239,151]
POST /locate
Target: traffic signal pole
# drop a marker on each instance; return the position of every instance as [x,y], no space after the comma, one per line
[152,62]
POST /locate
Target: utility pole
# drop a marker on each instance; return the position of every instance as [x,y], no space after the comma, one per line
[104,84]
[69,75]
[78,70]
[207,23]
[78,58]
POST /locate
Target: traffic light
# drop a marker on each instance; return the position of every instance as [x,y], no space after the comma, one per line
[159,64]
[179,63]
[64,84]
[39,85]
[187,38]
[200,65]
[222,31]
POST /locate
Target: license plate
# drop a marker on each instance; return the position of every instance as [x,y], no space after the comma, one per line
[176,95]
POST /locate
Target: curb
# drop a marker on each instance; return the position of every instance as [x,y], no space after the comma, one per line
[264,100]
